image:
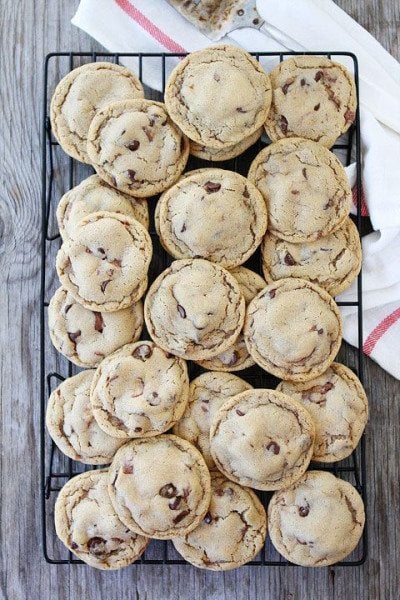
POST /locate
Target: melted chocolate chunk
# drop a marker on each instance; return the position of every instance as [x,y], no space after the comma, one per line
[181,311]
[168,491]
[181,516]
[274,447]
[143,351]
[96,546]
[212,187]
[133,145]
[98,322]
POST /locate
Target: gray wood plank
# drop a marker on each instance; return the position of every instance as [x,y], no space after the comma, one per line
[29,31]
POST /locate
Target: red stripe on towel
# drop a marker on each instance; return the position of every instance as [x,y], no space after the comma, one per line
[149,26]
[380,330]
[364,208]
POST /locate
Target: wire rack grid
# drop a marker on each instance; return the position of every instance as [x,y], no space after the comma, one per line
[59,174]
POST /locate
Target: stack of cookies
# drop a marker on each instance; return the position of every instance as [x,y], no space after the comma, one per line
[186,456]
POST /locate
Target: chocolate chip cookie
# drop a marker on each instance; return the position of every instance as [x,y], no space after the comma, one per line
[293,329]
[199,213]
[72,426]
[87,524]
[231,533]
[316,522]
[219,154]
[104,267]
[312,97]
[262,439]
[83,92]
[332,262]
[194,309]
[207,393]
[218,96]
[237,357]
[160,486]
[135,147]
[94,195]
[338,405]
[305,187]
[85,336]
[139,391]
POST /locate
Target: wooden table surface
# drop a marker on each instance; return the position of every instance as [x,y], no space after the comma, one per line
[30,30]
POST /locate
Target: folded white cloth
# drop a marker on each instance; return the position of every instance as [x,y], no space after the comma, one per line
[154,26]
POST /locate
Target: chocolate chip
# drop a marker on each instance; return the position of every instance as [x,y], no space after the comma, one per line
[96,546]
[88,250]
[113,181]
[272,293]
[181,311]
[151,122]
[303,82]
[127,469]
[295,192]
[304,510]
[74,545]
[304,171]
[240,12]
[131,174]
[74,336]
[320,331]
[183,228]
[240,413]
[212,187]
[98,322]
[217,77]
[101,250]
[66,309]
[289,260]
[317,106]
[174,505]
[181,516]
[256,21]
[319,75]
[168,491]
[246,192]
[283,124]
[241,110]
[117,262]
[149,134]
[143,351]
[186,492]
[349,116]
[104,284]
[274,447]
[138,429]
[207,518]
[134,145]
[287,85]
[182,143]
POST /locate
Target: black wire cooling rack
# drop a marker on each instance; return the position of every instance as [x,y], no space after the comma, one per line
[59,174]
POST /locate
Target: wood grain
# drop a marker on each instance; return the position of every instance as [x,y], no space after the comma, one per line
[30,30]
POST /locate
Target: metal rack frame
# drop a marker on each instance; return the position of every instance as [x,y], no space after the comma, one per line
[52,474]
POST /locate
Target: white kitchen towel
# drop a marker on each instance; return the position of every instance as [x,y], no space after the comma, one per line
[154,26]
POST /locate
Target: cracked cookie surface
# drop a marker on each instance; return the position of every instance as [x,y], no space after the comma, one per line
[171,502]
[207,393]
[72,426]
[95,195]
[338,404]
[87,524]
[262,439]
[231,533]
[104,267]
[218,96]
[218,154]
[194,309]
[85,336]
[135,147]
[293,329]
[305,187]
[199,213]
[237,357]
[312,97]
[139,391]
[78,97]
[316,522]
[332,262]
